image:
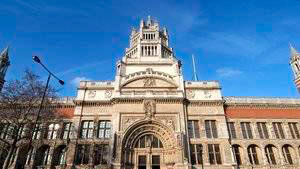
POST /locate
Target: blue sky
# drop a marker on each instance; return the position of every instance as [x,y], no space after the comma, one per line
[242,44]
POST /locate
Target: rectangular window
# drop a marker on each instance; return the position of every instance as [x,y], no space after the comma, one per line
[211,129]
[52,130]
[87,129]
[246,130]
[196,154]
[21,132]
[277,126]
[4,129]
[214,154]
[294,130]
[82,154]
[37,131]
[101,152]
[66,130]
[232,131]
[262,130]
[193,129]
[104,129]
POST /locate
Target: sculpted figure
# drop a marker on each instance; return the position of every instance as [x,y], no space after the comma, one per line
[149,107]
[149,82]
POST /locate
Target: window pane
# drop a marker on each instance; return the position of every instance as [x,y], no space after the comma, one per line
[142,142]
[196,129]
[265,130]
[208,129]
[190,129]
[249,131]
[214,129]
[232,131]
[259,129]
[102,124]
[107,133]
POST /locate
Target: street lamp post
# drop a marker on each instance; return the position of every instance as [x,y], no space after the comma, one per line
[37,60]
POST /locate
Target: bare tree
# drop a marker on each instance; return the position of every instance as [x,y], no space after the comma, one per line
[19,102]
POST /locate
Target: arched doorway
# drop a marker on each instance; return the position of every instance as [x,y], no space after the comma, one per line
[150,145]
[148,151]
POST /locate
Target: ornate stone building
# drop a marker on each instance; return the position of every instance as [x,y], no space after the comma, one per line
[149,117]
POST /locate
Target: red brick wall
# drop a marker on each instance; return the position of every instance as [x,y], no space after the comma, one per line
[262,113]
[67,112]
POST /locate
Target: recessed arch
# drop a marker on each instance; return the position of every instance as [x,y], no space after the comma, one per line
[161,131]
[170,141]
[288,153]
[271,154]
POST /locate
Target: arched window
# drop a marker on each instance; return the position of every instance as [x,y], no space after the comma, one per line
[42,156]
[269,150]
[148,140]
[237,154]
[59,156]
[252,154]
[286,150]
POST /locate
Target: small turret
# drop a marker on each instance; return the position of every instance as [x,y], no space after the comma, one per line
[4,63]
[295,64]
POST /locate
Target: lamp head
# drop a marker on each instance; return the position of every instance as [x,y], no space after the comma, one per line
[61,82]
[36,59]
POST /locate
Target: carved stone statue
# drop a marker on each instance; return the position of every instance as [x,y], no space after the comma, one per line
[149,82]
[149,107]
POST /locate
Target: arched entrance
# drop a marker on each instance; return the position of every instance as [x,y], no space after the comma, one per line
[150,144]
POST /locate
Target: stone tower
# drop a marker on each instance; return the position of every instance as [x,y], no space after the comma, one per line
[295,64]
[4,63]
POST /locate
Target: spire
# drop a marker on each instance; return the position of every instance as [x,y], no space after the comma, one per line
[293,51]
[4,53]
[149,20]
[194,69]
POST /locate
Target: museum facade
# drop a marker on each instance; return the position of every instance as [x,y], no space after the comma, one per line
[150,117]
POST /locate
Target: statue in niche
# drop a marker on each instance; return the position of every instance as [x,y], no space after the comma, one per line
[149,107]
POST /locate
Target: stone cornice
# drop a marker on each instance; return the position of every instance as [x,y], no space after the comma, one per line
[196,103]
[261,102]
[92,103]
[261,105]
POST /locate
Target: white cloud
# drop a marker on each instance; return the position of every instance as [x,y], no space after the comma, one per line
[228,72]
[233,44]
[76,80]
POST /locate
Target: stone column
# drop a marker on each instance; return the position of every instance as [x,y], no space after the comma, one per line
[50,155]
[70,154]
[30,159]
[205,155]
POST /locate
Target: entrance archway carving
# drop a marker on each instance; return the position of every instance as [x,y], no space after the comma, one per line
[169,153]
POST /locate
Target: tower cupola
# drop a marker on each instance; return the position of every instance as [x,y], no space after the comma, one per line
[149,42]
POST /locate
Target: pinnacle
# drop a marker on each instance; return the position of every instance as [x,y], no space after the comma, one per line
[4,53]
